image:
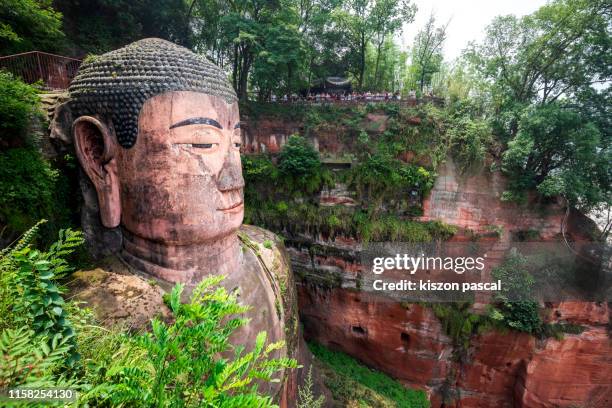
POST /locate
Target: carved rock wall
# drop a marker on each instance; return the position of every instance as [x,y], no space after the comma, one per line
[502,369]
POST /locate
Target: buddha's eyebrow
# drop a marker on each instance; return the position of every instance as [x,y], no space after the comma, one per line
[197,121]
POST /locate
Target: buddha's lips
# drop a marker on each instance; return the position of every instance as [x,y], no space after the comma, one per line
[232,207]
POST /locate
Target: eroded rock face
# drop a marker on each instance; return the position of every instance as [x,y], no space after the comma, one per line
[405,341]
[575,371]
[489,377]
[502,369]
[474,202]
[498,369]
[118,297]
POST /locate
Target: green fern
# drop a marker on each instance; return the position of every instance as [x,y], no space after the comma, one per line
[185,364]
[28,360]
[30,277]
[306,397]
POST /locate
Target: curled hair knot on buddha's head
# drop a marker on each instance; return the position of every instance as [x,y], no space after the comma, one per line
[115,85]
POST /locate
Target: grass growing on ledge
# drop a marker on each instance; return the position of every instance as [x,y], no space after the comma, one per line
[356,385]
[295,218]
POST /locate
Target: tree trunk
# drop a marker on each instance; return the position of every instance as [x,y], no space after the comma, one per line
[235,69]
[362,61]
[379,46]
[244,76]
[289,75]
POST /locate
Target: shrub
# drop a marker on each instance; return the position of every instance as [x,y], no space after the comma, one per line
[28,360]
[300,167]
[185,364]
[30,280]
[18,103]
[380,177]
[306,397]
[469,140]
[30,189]
[514,300]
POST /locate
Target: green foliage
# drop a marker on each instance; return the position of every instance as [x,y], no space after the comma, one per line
[311,219]
[299,165]
[558,152]
[98,26]
[19,103]
[380,177]
[515,302]
[185,364]
[28,360]
[306,397]
[460,324]
[28,25]
[353,383]
[522,315]
[8,277]
[426,54]
[30,189]
[32,282]
[468,139]
[558,330]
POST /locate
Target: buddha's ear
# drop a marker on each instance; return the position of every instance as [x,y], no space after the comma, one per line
[95,148]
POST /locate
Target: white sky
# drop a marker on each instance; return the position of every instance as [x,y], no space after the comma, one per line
[468,19]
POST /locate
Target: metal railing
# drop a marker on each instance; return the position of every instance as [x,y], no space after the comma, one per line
[55,71]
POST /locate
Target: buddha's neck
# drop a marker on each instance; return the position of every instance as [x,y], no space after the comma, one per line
[182,263]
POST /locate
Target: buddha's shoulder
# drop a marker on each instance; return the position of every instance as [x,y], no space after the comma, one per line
[269,249]
[270,252]
[118,295]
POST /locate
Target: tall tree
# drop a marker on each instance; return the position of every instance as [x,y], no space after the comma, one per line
[387,18]
[548,75]
[28,25]
[557,52]
[98,26]
[427,51]
[364,21]
[354,18]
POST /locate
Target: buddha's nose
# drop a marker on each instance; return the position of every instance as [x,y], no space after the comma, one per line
[230,176]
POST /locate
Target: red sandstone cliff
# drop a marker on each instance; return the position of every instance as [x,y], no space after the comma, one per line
[407,341]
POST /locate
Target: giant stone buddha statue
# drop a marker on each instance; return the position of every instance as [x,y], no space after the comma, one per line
[156,130]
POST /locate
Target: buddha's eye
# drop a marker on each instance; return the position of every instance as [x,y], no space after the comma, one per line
[238,145]
[204,145]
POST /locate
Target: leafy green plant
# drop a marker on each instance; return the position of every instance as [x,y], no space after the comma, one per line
[306,397]
[35,283]
[30,189]
[29,360]
[27,25]
[558,151]
[186,364]
[459,323]
[514,300]
[380,177]
[18,104]
[300,167]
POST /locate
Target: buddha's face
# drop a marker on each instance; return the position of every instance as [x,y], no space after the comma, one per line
[181,183]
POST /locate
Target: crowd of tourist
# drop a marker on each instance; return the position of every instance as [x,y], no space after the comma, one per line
[344,97]
[337,97]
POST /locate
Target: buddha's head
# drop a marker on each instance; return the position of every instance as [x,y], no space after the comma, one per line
[157,133]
